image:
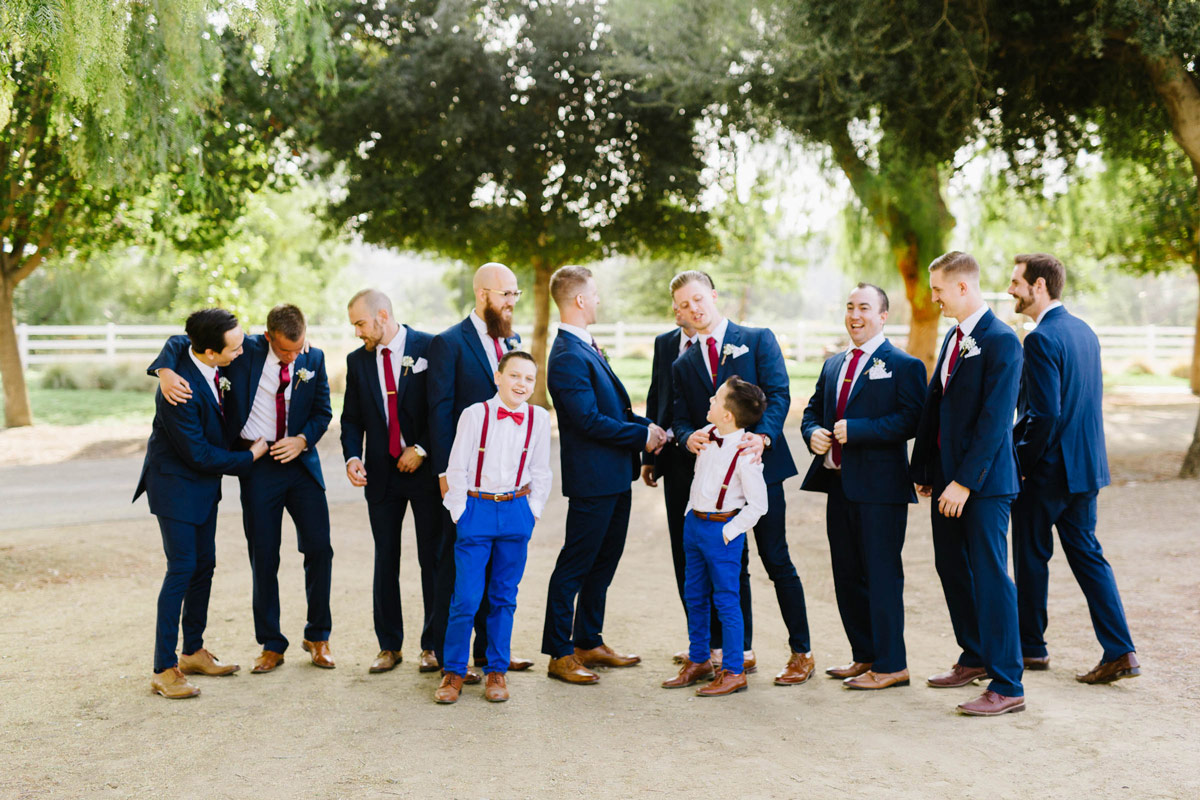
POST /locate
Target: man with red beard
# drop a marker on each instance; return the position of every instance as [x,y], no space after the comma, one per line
[463,360]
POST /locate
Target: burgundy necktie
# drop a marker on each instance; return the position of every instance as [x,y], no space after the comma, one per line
[499,352]
[220,396]
[688,344]
[712,358]
[596,347]
[280,403]
[951,360]
[517,416]
[843,398]
[395,444]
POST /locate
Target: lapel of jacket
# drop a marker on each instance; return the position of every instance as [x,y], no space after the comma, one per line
[188,370]
[370,376]
[471,336]
[403,375]
[698,362]
[977,333]
[725,364]
[945,351]
[258,359]
[834,365]
[881,352]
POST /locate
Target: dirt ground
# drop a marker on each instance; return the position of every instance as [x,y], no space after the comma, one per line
[77,616]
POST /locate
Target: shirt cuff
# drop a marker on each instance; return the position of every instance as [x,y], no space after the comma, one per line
[420,451]
[353,458]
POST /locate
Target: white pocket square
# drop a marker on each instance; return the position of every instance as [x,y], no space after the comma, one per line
[877,373]
[972,353]
[739,350]
[421,365]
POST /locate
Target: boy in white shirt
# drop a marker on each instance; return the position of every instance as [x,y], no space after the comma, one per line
[497,483]
[728,496]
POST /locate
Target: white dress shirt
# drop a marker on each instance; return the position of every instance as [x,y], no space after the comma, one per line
[864,363]
[501,458]
[747,489]
[261,422]
[209,373]
[967,326]
[489,344]
[1049,308]
[684,339]
[718,334]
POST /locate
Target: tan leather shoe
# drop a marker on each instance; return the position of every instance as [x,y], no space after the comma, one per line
[1126,666]
[689,674]
[1036,663]
[605,656]
[798,670]
[172,684]
[203,662]
[518,664]
[266,662]
[319,651]
[474,675]
[851,670]
[496,690]
[680,657]
[428,662]
[449,689]
[726,683]
[749,662]
[570,670]
[956,676]
[877,680]
[385,661]
[990,704]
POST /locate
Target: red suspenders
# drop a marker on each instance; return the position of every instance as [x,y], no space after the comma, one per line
[728,478]
[487,413]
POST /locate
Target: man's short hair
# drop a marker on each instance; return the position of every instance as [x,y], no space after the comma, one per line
[288,321]
[745,401]
[510,355]
[883,300]
[207,328]
[958,263]
[1047,267]
[567,282]
[376,301]
[689,275]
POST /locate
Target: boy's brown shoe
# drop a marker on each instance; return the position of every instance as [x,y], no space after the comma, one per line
[726,683]
[689,674]
[449,689]
[496,690]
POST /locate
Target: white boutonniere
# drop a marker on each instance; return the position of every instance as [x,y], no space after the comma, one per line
[304,375]
[407,363]
[968,347]
[733,351]
[878,370]
[225,384]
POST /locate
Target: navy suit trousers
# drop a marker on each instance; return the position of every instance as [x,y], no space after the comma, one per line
[865,541]
[387,517]
[770,536]
[1035,512]
[267,490]
[191,558]
[595,539]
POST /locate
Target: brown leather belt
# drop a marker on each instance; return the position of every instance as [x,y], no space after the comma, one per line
[500,498]
[246,444]
[715,516]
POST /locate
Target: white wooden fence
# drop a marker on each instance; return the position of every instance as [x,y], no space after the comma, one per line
[49,344]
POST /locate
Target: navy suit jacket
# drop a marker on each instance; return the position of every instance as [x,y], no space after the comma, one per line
[974,415]
[187,454]
[762,365]
[599,435]
[1060,420]
[660,402]
[309,411]
[363,414]
[881,416]
[460,375]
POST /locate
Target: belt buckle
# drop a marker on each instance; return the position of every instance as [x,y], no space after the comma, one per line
[496,498]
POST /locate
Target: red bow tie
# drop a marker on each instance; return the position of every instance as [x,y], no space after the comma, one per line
[517,416]
[712,437]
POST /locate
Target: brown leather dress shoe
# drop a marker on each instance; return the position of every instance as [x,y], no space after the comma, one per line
[680,657]
[605,656]
[449,689]
[726,683]
[385,661]
[749,662]
[798,670]
[958,675]
[689,674]
[203,662]
[428,662]
[319,651]
[990,704]
[570,670]
[1036,663]
[518,664]
[474,675]
[877,680]
[851,670]
[266,662]
[172,684]
[1126,666]
[496,690]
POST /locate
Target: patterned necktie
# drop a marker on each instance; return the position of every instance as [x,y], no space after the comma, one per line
[712,358]
[843,398]
[395,443]
[281,404]
[517,416]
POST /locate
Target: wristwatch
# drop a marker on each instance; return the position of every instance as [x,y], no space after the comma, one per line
[766,440]
[420,450]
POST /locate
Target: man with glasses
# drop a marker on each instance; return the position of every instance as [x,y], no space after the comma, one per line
[463,360]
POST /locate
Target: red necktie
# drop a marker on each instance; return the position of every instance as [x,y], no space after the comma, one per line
[395,443]
[499,352]
[596,347]
[220,396]
[688,344]
[843,398]
[280,404]
[517,416]
[951,360]
[712,358]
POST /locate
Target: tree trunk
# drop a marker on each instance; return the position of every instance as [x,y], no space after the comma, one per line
[1191,460]
[17,412]
[541,325]
[922,331]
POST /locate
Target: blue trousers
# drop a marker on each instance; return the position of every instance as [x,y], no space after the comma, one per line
[1036,511]
[971,556]
[495,533]
[595,539]
[865,540]
[443,591]
[191,558]
[713,570]
[267,490]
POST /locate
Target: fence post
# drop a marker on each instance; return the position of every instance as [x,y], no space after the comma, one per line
[23,344]
[110,341]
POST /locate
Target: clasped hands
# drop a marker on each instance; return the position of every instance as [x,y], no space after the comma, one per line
[822,439]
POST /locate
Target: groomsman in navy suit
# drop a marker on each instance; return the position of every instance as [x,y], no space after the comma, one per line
[600,438]
[463,360]
[386,404]
[964,458]
[187,453]
[1060,446]
[279,393]
[724,349]
[865,408]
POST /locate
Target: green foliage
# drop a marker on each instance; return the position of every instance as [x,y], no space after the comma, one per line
[123,377]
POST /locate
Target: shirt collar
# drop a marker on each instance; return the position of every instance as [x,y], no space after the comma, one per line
[719,332]
[970,322]
[870,346]
[480,325]
[208,372]
[392,345]
[582,333]
[1049,308]
[272,359]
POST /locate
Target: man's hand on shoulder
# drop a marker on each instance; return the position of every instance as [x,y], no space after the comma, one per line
[697,442]
[175,389]
[753,445]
